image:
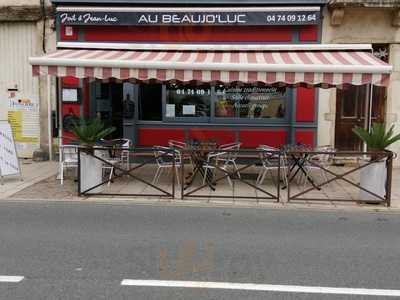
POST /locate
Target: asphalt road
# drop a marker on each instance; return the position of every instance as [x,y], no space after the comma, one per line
[85,250]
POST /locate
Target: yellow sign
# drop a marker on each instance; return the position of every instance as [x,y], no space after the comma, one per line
[15,118]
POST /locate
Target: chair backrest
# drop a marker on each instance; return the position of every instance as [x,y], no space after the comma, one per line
[126,143]
[223,146]
[269,156]
[325,157]
[162,154]
[229,151]
[177,144]
[68,153]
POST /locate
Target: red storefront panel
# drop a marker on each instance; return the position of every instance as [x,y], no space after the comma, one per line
[305,104]
[65,37]
[308,33]
[305,136]
[252,138]
[188,34]
[160,136]
[70,81]
[221,136]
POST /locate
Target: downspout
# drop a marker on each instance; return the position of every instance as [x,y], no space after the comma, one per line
[43,7]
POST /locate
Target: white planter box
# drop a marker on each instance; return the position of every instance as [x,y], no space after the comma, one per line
[91,173]
[373,178]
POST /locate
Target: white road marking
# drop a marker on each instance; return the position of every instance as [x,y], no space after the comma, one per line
[261,287]
[11,278]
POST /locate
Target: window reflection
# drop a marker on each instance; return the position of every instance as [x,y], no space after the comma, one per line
[188,101]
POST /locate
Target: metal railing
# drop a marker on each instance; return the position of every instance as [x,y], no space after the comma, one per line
[138,159]
[213,171]
[198,176]
[362,161]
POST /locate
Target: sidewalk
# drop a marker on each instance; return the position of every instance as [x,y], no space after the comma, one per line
[40,183]
[32,173]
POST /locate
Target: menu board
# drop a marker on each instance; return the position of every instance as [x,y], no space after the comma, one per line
[9,164]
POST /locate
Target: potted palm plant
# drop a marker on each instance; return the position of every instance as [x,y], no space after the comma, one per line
[373,176]
[88,133]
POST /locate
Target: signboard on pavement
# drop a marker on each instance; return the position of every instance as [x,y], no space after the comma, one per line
[9,164]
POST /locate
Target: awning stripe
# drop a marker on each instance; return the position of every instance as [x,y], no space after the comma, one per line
[291,67]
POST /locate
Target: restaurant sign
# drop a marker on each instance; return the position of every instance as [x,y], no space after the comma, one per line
[180,18]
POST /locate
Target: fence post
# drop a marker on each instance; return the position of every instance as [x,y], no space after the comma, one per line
[79,172]
[389,170]
[182,173]
[278,194]
[173,172]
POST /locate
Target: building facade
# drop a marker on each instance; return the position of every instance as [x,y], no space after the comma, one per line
[152,111]
[373,22]
[26,29]
[150,107]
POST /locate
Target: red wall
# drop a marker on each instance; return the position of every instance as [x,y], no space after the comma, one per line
[305,136]
[277,34]
[305,104]
[188,33]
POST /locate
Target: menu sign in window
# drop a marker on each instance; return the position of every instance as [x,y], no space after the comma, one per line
[250,102]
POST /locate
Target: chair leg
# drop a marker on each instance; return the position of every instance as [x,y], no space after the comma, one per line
[62,173]
[236,169]
[155,175]
[177,174]
[262,176]
[110,177]
[229,180]
[205,175]
[159,174]
[259,176]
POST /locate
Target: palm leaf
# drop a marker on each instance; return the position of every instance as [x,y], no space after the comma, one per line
[91,131]
[377,138]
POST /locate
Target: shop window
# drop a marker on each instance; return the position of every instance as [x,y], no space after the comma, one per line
[188,101]
[150,102]
[250,102]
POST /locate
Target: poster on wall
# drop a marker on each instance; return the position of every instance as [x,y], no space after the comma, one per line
[188,109]
[23,116]
[170,111]
[9,164]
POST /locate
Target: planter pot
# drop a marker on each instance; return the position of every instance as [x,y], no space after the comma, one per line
[91,173]
[373,178]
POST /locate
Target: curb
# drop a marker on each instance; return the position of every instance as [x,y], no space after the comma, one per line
[203,204]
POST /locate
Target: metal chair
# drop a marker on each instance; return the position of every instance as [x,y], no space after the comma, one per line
[181,146]
[68,156]
[109,164]
[269,157]
[126,144]
[166,158]
[222,159]
[322,159]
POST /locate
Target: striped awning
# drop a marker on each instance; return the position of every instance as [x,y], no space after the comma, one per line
[270,67]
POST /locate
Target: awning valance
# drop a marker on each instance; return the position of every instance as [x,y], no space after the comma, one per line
[269,67]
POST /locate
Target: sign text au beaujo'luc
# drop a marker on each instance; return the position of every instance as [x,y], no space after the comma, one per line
[190,18]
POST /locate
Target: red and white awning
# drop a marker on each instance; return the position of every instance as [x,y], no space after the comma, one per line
[269,67]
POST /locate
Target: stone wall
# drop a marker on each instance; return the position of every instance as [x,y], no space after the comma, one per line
[361,25]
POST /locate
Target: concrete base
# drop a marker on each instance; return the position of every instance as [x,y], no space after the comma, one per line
[40,155]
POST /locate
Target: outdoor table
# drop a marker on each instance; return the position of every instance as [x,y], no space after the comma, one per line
[199,153]
[299,155]
[112,145]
